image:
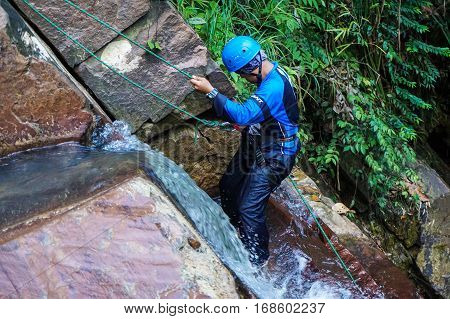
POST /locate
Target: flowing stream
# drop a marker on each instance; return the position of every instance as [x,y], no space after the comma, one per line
[46,177]
[212,223]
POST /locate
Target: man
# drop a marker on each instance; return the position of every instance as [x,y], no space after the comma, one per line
[269,142]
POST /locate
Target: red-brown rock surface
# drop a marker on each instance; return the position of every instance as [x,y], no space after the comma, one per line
[38,103]
[127,242]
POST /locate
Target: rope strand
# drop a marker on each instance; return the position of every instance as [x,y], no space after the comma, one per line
[87,50]
[311,211]
[107,25]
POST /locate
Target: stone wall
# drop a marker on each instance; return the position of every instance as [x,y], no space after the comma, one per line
[121,14]
[413,237]
[433,258]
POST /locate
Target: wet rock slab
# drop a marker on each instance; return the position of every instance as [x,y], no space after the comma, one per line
[128,242]
[39,103]
[80,222]
[43,179]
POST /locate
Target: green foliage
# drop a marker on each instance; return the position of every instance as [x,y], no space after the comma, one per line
[364,70]
[153,45]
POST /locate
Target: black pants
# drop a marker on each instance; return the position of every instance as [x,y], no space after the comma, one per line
[245,189]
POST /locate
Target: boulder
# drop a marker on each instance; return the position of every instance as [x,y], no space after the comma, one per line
[40,103]
[88,223]
[428,155]
[179,45]
[433,258]
[121,14]
[128,242]
[203,155]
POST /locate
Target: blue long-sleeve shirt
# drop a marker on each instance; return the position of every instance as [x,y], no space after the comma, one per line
[273,106]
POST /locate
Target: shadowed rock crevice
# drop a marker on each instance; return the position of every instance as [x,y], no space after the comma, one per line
[204,157]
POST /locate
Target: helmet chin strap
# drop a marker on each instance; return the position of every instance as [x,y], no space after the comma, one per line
[259,75]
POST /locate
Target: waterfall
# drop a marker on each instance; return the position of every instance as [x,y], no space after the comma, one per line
[210,220]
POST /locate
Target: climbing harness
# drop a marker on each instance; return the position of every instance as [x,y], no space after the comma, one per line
[224,126]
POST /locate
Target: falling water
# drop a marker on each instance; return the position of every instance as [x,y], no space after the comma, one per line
[213,224]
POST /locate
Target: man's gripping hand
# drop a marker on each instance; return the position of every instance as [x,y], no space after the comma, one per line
[201,84]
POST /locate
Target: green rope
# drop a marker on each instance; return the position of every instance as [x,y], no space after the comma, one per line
[107,25]
[87,50]
[311,211]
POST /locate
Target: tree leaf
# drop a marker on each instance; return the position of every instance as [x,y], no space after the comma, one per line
[196,21]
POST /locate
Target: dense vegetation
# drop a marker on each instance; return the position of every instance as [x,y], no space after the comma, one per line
[366,72]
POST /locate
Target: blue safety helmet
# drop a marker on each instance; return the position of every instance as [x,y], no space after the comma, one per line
[239,51]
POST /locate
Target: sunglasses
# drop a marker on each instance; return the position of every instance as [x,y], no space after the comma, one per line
[240,72]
